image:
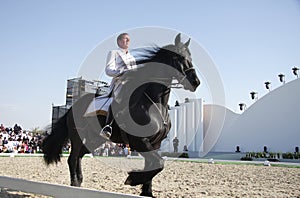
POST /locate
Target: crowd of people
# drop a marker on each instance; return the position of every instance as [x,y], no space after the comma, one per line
[16,140]
[113,149]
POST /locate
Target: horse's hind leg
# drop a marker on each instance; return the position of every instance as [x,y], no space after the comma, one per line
[73,162]
[79,174]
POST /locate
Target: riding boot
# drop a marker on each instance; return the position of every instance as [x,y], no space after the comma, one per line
[106,131]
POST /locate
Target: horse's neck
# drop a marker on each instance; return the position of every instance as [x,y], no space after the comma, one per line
[157,82]
[159,89]
[158,94]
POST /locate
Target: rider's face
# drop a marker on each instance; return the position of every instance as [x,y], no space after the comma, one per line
[124,42]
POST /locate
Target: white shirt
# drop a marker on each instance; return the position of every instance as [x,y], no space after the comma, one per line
[118,61]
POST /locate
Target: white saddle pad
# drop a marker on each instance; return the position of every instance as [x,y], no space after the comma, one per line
[98,106]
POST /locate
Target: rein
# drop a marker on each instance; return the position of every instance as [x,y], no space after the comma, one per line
[165,122]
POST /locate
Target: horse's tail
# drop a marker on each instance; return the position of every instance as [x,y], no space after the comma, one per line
[52,144]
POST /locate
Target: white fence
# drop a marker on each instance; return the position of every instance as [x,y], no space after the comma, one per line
[53,190]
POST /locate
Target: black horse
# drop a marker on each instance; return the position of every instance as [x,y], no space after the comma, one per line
[140,110]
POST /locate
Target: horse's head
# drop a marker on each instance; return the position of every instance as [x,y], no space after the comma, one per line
[181,60]
[171,61]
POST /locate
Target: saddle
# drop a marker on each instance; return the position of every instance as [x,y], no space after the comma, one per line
[98,106]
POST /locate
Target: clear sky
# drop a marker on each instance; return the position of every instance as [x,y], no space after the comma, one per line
[43,43]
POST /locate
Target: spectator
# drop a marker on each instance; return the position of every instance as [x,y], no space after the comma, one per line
[5,141]
[126,151]
[175,144]
[17,129]
[2,128]
[185,148]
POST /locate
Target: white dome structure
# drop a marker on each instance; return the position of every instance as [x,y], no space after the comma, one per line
[272,123]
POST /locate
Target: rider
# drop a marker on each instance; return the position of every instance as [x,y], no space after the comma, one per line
[118,62]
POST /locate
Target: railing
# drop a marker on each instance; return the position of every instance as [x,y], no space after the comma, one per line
[55,190]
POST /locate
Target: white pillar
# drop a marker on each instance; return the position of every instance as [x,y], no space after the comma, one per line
[198,106]
[181,127]
[167,144]
[173,117]
[189,118]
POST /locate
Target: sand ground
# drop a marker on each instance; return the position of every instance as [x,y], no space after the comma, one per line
[178,179]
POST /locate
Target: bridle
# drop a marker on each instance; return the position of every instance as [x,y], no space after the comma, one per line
[181,75]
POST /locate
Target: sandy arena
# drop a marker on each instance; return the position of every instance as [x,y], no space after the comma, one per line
[178,179]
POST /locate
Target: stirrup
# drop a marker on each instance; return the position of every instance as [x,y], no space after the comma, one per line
[106,132]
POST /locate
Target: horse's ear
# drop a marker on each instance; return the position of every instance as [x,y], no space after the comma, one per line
[177,39]
[188,42]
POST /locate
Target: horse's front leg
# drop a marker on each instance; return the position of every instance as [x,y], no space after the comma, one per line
[147,186]
[153,161]
[153,165]
[147,189]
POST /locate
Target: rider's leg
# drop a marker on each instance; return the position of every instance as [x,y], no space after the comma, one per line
[107,129]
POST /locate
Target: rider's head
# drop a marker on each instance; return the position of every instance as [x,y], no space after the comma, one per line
[123,41]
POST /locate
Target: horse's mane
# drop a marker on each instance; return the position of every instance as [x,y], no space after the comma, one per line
[153,54]
[149,61]
[146,54]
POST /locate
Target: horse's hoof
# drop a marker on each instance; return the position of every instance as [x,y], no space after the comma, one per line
[75,184]
[146,194]
[128,181]
[134,178]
